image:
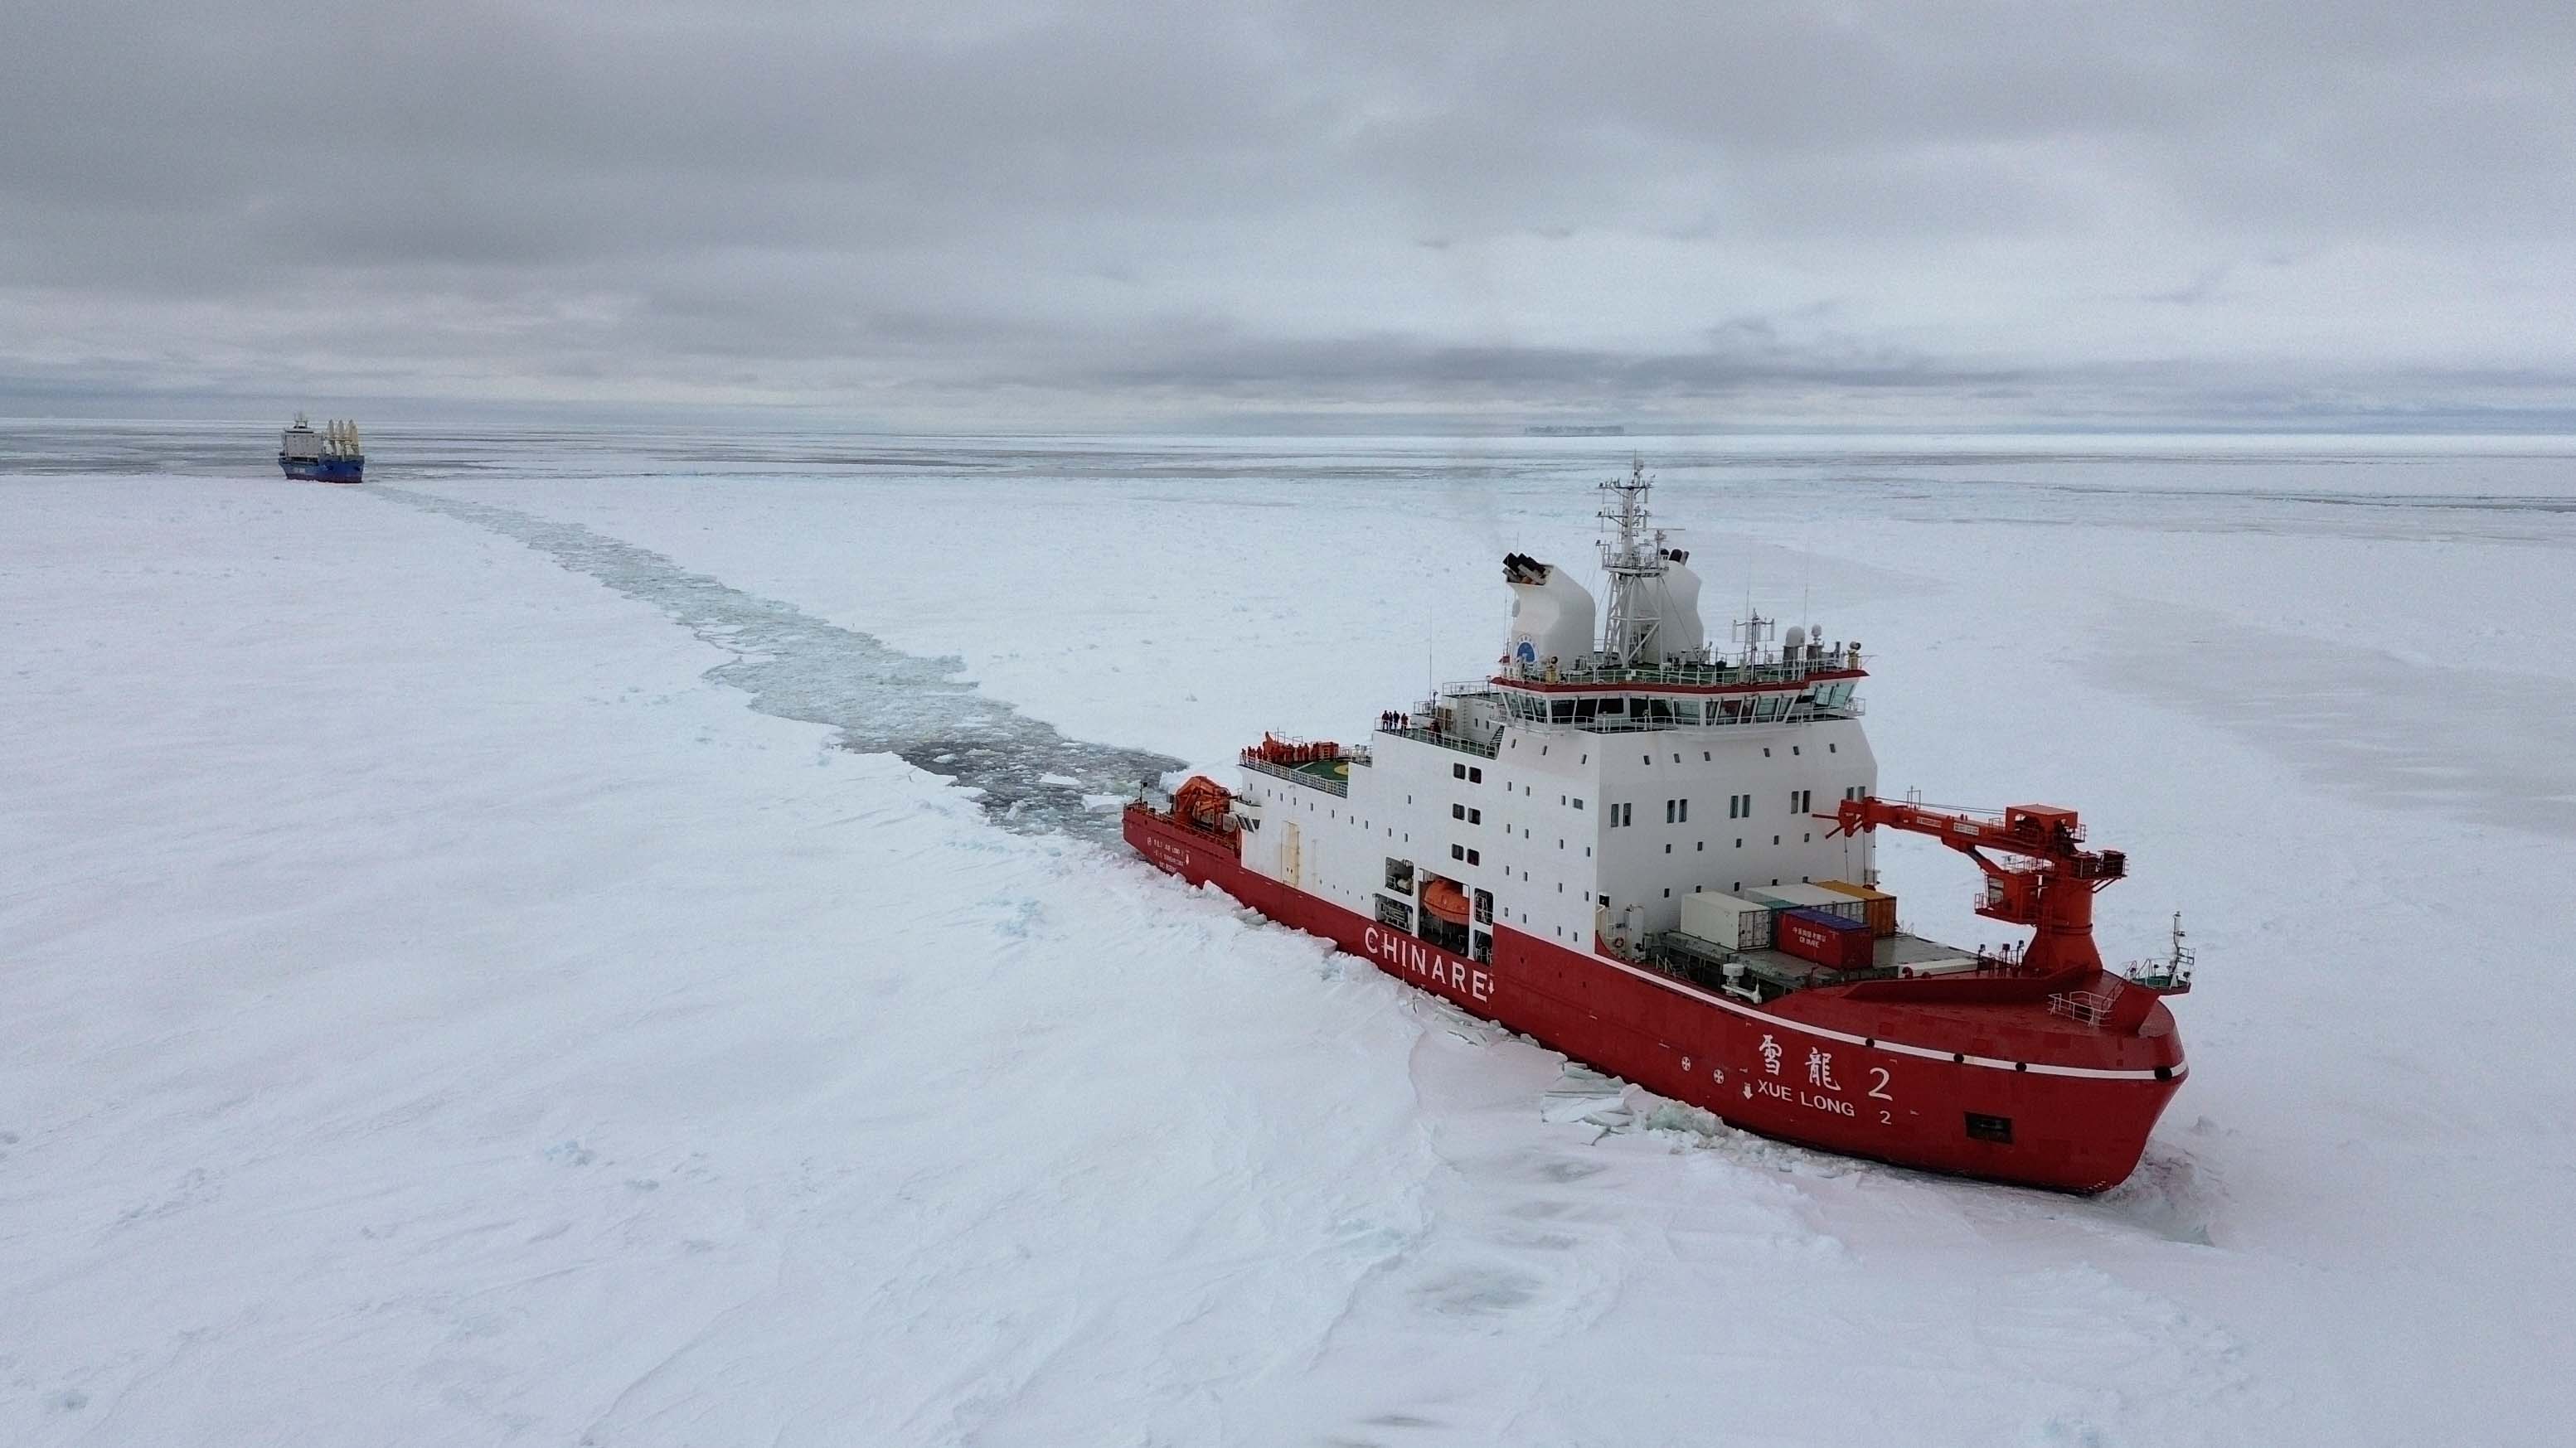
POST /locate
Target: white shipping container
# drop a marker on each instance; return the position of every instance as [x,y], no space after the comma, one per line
[1947,965]
[1727,920]
[1815,897]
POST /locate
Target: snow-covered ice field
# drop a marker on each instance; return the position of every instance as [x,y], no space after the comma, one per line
[614,939]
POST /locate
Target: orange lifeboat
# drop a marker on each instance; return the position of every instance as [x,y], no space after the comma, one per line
[1202,802]
[1444,899]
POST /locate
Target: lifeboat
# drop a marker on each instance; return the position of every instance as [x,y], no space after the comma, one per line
[1444,899]
[1203,802]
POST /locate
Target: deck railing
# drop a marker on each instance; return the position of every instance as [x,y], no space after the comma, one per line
[1802,712]
[1446,740]
[2091,1007]
[1298,776]
[1778,671]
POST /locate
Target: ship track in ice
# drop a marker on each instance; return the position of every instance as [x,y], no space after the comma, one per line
[881,699]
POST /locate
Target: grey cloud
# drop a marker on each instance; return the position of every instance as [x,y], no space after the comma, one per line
[1983,212]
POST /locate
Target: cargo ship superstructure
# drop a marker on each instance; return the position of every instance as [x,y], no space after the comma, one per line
[330,454]
[1655,855]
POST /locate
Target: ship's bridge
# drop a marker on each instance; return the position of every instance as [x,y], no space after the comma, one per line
[1813,682]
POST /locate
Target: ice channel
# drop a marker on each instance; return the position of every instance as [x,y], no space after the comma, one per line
[1027,776]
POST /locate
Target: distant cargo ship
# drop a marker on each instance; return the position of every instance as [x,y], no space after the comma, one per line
[331,455]
[1568,429]
[1745,961]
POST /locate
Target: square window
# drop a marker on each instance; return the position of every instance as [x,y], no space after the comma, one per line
[1990,1128]
[1475,775]
[1457,771]
[1457,852]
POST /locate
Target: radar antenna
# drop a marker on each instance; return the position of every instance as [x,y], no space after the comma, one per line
[1633,556]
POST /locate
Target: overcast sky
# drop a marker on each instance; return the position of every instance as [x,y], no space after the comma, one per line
[1245,213]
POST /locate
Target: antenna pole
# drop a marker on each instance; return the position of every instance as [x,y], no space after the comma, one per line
[1633,556]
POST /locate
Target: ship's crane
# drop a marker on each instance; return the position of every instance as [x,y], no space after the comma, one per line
[2049,886]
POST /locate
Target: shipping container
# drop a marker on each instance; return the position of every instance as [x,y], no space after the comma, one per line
[1877,906]
[1727,920]
[1811,897]
[1828,940]
[1946,965]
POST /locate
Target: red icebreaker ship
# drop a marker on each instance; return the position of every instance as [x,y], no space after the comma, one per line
[1656,856]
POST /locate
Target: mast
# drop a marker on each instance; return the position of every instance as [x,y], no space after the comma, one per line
[1633,556]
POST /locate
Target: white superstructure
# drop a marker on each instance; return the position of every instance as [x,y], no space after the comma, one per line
[336,439]
[1592,785]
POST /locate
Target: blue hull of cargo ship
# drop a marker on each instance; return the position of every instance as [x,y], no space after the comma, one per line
[324,470]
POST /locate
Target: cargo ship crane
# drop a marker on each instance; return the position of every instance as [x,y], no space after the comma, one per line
[2052,892]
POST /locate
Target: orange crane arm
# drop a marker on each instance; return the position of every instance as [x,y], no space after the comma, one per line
[2051,889]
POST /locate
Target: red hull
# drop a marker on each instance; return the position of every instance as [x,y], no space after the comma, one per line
[1899,1075]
